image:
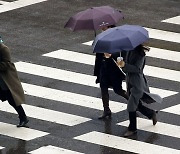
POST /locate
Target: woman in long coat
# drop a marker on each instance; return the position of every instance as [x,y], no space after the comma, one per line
[137,88]
[10,85]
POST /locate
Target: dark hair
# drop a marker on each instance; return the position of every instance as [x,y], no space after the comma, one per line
[111,26]
[140,50]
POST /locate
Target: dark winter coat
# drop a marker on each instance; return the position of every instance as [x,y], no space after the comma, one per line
[137,86]
[107,72]
[9,78]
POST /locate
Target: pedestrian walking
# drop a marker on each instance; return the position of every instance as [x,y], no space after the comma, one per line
[109,76]
[10,85]
[137,88]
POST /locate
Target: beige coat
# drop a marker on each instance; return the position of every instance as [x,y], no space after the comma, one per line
[9,75]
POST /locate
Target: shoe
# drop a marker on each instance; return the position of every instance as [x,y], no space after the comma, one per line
[106,114]
[130,133]
[23,123]
[154,118]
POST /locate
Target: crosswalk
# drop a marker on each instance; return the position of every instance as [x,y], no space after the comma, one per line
[92,103]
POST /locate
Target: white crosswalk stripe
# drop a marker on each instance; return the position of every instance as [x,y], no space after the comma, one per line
[124,143]
[47,115]
[53,150]
[174,20]
[20,133]
[173,109]
[8,6]
[84,79]
[70,98]
[160,128]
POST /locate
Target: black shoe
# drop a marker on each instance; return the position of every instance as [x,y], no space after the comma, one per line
[154,118]
[130,133]
[106,114]
[23,123]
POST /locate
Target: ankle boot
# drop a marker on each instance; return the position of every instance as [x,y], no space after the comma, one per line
[23,122]
[106,113]
[132,128]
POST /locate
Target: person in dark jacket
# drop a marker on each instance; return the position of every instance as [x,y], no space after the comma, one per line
[109,76]
[10,85]
[137,88]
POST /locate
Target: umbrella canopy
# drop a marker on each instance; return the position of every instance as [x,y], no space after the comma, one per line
[94,18]
[122,38]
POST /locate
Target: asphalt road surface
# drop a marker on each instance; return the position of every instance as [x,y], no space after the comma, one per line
[63,102]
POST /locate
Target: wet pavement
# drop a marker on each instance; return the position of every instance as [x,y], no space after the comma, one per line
[34,30]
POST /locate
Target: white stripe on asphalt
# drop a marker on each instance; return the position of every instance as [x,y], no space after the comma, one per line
[18,4]
[164,54]
[173,109]
[73,77]
[70,98]
[124,143]
[154,52]
[162,73]
[174,20]
[20,133]
[4,2]
[159,128]
[1,148]
[53,150]
[47,115]
[164,35]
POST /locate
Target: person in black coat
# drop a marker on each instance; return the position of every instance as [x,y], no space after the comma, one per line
[109,76]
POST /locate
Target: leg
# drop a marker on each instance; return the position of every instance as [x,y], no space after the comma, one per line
[19,109]
[118,89]
[151,114]
[105,100]
[132,128]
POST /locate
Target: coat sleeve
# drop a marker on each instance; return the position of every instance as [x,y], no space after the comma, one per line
[5,59]
[136,67]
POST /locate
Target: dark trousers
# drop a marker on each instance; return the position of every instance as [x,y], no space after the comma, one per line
[132,116]
[105,95]
[19,109]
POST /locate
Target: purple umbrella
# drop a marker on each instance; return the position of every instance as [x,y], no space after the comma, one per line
[122,38]
[94,18]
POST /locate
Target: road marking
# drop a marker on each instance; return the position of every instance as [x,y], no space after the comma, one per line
[74,77]
[70,98]
[20,133]
[48,115]
[173,109]
[53,150]
[162,73]
[154,52]
[157,34]
[164,35]
[124,143]
[18,4]
[4,2]
[174,20]
[72,56]
[160,128]
[164,54]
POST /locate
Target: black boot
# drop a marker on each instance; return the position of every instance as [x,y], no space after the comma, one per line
[106,113]
[22,117]
[151,114]
[132,129]
[23,122]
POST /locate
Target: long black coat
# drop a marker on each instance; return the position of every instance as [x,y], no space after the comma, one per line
[107,72]
[137,85]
